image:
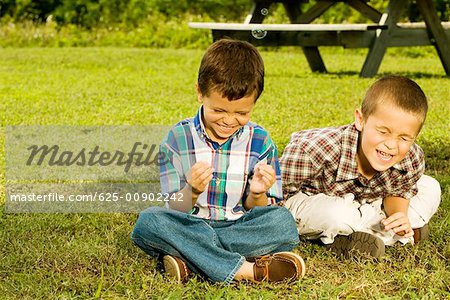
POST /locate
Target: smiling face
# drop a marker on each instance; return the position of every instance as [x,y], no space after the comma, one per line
[386,136]
[222,117]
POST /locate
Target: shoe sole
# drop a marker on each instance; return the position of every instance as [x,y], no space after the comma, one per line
[171,267]
[360,241]
[300,260]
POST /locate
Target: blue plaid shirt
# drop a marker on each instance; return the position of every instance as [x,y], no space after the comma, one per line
[233,163]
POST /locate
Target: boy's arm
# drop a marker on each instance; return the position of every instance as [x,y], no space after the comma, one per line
[172,177]
[395,204]
[265,186]
[255,200]
[183,204]
[263,179]
[396,209]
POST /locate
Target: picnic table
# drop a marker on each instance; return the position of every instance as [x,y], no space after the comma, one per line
[384,31]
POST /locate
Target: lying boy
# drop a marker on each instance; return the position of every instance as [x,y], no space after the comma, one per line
[227,172]
[362,186]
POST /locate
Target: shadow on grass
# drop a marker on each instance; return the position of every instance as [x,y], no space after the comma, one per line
[343,74]
[415,75]
[412,75]
[315,74]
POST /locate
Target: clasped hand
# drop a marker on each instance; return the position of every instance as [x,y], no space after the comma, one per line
[201,174]
[399,223]
[263,178]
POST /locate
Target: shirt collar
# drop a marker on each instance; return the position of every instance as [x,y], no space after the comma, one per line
[348,168]
[401,166]
[200,128]
[198,123]
[407,163]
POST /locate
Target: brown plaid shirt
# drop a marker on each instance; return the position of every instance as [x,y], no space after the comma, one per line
[324,161]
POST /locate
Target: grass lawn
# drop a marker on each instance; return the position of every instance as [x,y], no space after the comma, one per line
[81,256]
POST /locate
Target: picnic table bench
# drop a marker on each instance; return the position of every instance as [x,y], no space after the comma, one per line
[385,31]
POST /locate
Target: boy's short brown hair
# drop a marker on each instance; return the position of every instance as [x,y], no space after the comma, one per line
[232,68]
[399,91]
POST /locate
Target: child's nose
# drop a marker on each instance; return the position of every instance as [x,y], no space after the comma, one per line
[229,119]
[390,144]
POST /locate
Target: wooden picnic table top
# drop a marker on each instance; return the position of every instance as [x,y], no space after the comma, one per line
[284,27]
[385,31]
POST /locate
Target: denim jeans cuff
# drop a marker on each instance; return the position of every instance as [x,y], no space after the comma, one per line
[230,277]
[289,246]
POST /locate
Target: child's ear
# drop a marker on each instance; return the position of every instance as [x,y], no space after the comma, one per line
[199,94]
[359,119]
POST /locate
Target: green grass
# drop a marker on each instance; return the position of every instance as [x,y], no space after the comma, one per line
[83,256]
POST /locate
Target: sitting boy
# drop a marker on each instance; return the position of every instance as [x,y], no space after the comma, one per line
[362,186]
[227,172]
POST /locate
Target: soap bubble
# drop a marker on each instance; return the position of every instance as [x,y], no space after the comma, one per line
[259,33]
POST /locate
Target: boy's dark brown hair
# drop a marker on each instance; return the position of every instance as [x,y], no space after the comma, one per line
[233,69]
[399,91]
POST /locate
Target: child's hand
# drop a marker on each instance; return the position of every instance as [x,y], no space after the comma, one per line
[399,223]
[199,176]
[263,178]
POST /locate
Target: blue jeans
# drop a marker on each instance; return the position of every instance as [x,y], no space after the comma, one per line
[216,249]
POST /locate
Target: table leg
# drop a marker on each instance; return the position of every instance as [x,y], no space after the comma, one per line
[258,12]
[314,59]
[380,42]
[435,29]
[312,13]
[365,10]
[296,16]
